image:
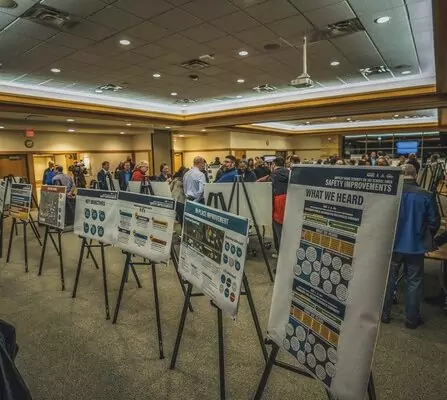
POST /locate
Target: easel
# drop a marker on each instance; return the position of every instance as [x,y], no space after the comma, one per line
[7,184]
[216,197]
[273,361]
[33,200]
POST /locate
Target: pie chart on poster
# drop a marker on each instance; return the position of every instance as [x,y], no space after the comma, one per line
[311,254]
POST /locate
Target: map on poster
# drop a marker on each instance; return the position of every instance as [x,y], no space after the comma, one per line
[212,253]
[5,196]
[332,271]
[21,197]
[145,225]
[52,206]
[95,214]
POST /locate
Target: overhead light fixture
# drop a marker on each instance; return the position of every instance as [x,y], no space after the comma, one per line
[8,4]
[335,63]
[203,130]
[174,94]
[98,91]
[243,53]
[70,120]
[349,119]
[181,135]
[382,20]
[239,97]
[396,116]
[55,70]
[122,133]
[307,123]
[71,130]
[240,80]
[125,42]
[156,75]
[167,127]
[2,127]
[128,124]
[406,72]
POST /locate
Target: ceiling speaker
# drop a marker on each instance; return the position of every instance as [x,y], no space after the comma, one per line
[8,4]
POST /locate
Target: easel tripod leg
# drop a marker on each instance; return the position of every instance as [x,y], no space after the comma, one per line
[157,312]
[78,271]
[61,261]
[13,228]
[181,326]
[221,354]
[42,256]
[267,370]
[54,244]
[104,278]
[120,293]
[25,245]
[137,279]
[1,235]
[371,389]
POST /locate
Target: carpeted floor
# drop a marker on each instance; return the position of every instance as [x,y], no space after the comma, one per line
[69,351]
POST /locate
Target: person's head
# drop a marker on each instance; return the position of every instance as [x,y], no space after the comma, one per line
[217,160]
[340,162]
[402,158]
[244,157]
[129,158]
[382,162]
[351,161]
[181,171]
[105,165]
[59,169]
[361,162]
[50,164]
[434,158]
[126,166]
[278,162]
[295,159]
[409,172]
[143,166]
[199,162]
[257,159]
[251,163]
[373,154]
[229,162]
[319,161]
[243,165]
[164,169]
[412,156]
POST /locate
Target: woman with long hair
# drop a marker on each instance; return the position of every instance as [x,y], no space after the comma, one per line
[178,193]
[140,171]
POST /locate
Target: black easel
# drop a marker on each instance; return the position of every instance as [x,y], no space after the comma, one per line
[273,361]
[216,197]
[89,246]
[49,231]
[7,184]
[33,201]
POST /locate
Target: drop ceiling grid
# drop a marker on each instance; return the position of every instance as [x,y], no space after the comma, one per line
[165,36]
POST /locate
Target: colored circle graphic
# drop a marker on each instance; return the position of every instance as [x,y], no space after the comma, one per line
[94,215]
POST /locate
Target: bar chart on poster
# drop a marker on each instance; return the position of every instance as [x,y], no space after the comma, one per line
[327,300]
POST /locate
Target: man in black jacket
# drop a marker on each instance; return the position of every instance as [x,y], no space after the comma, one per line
[104,177]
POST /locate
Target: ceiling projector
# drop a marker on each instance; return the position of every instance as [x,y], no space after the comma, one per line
[303,81]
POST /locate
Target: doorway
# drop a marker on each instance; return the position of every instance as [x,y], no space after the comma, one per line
[13,165]
[178,161]
[240,154]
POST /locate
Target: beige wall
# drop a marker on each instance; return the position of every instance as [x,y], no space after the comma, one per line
[315,146]
[141,142]
[241,140]
[209,146]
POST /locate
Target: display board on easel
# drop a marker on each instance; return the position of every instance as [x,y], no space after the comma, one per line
[52,206]
[5,196]
[332,272]
[21,198]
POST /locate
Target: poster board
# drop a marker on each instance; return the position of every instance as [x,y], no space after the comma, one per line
[161,189]
[52,206]
[95,214]
[332,271]
[134,186]
[5,196]
[259,193]
[145,225]
[212,253]
[116,184]
[21,197]
[212,171]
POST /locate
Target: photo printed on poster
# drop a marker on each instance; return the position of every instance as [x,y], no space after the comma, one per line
[52,206]
[332,271]
[212,253]
[21,197]
[145,225]
[95,214]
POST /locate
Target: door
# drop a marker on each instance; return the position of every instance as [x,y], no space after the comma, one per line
[13,165]
[178,161]
[240,154]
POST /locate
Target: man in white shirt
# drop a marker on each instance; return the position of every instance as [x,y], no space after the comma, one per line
[194,181]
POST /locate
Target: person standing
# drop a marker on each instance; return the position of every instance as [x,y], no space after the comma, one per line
[48,174]
[416,225]
[118,169]
[247,174]
[124,176]
[132,164]
[194,181]
[412,159]
[229,170]
[178,192]
[164,174]
[280,184]
[104,177]
[61,179]
[140,171]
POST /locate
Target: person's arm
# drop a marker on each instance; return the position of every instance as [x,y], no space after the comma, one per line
[201,188]
[433,216]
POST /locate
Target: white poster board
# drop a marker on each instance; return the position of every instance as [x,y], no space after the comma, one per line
[52,206]
[259,193]
[212,253]
[95,214]
[134,186]
[161,189]
[145,225]
[5,196]
[332,271]
[21,197]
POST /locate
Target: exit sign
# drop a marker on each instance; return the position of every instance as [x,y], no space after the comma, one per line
[29,133]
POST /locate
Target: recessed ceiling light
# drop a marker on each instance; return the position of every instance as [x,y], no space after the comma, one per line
[122,133]
[335,63]
[406,72]
[98,91]
[125,42]
[181,135]
[167,127]
[382,20]
[71,130]
[174,94]
[243,53]
[203,130]
[2,127]
[156,75]
[55,70]
[240,80]
[128,124]
[406,117]
[239,97]
[396,116]
[70,120]
[307,123]
[348,119]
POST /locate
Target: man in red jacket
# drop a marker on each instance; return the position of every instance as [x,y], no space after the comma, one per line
[280,183]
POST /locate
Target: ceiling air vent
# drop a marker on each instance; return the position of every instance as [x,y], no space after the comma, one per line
[195,65]
[380,69]
[266,88]
[339,29]
[110,87]
[50,17]
[186,101]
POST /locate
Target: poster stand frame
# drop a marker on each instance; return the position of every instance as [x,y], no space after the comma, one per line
[216,197]
[3,216]
[89,246]
[33,200]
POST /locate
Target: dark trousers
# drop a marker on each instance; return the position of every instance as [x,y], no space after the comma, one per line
[277,232]
[180,210]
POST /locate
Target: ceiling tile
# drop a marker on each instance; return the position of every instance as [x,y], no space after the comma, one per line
[68,40]
[176,70]
[178,2]
[5,19]
[290,27]
[203,33]
[309,5]
[83,8]
[115,18]
[247,3]
[143,9]
[256,35]
[22,6]
[226,44]
[236,22]
[92,31]
[30,29]
[367,7]
[172,58]
[421,25]
[148,31]
[151,50]
[11,45]
[175,42]
[209,9]
[271,10]
[129,57]
[330,14]
[176,20]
